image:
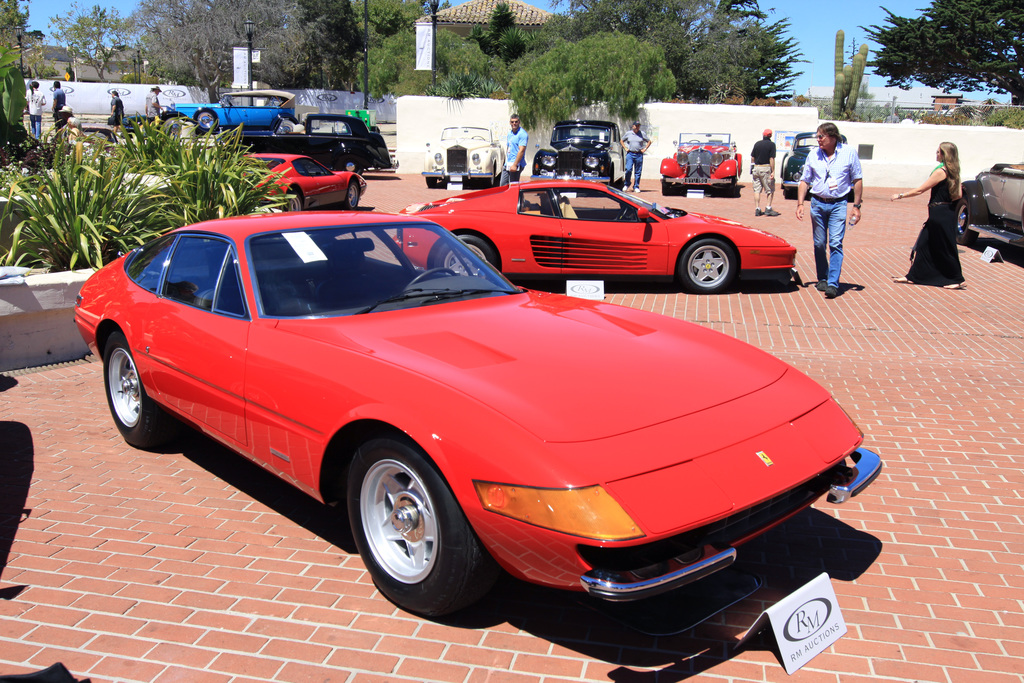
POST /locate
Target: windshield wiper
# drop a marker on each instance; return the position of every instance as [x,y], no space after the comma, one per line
[431,295]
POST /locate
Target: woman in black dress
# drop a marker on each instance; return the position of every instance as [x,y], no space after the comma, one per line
[935,260]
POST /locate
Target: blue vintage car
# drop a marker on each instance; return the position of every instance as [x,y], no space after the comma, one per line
[254,110]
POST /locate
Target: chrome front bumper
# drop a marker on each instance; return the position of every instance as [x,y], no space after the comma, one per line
[867,466]
[645,582]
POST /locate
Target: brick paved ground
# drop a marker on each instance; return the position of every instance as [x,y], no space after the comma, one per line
[192,565]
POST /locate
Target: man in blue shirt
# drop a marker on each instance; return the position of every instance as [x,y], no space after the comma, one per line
[830,173]
[59,100]
[635,143]
[515,158]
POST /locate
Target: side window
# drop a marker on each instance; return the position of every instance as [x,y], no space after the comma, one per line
[148,264]
[195,267]
[586,205]
[229,297]
[535,203]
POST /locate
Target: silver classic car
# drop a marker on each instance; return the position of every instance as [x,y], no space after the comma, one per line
[993,205]
[464,152]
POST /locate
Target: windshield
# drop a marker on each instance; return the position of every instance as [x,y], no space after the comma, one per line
[657,210]
[345,270]
[581,133]
[466,133]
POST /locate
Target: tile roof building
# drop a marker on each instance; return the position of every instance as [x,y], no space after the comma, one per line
[462,18]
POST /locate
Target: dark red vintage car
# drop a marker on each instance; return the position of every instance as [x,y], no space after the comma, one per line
[578,228]
[311,185]
[708,161]
[376,362]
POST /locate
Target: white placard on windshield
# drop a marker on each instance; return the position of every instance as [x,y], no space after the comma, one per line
[305,248]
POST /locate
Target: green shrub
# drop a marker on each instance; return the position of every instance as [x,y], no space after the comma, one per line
[1006,117]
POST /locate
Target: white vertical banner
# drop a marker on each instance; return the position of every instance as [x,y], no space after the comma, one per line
[424,47]
[240,77]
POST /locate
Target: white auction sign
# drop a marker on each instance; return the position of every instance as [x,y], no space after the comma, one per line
[805,623]
[240,73]
[585,289]
[424,47]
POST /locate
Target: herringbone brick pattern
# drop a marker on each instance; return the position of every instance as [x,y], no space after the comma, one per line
[193,565]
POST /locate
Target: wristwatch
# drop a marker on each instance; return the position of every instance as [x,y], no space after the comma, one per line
[857,205]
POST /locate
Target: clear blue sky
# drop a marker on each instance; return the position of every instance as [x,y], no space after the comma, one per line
[814,24]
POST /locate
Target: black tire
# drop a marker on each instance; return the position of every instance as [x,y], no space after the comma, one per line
[789,192]
[296,202]
[349,162]
[707,266]
[964,234]
[140,420]
[483,247]
[413,537]
[436,183]
[207,121]
[352,196]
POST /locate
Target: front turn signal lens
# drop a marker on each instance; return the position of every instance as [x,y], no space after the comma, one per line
[588,512]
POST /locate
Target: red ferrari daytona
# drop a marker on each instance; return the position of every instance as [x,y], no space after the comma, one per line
[577,228]
[379,363]
[311,185]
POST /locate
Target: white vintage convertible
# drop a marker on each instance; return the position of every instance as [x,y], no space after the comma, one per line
[463,153]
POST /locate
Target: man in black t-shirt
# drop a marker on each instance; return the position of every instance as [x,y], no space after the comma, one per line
[763,172]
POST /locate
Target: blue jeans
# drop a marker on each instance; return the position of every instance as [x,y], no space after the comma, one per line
[36,125]
[634,161]
[508,176]
[829,224]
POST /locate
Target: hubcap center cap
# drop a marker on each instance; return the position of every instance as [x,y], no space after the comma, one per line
[405,518]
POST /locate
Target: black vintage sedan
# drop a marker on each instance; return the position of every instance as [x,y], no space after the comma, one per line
[340,142]
[582,150]
[993,205]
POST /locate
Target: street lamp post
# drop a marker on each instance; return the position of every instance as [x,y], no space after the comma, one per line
[19,31]
[250,28]
[433,41]
[366,54]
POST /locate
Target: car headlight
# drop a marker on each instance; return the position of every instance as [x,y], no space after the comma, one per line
[547,162]
[438,159]
[588,512]
[592,162]
[476,158]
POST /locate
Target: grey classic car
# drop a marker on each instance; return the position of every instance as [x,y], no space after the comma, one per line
[993,205]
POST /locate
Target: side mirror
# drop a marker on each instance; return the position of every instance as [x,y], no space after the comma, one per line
[643,214]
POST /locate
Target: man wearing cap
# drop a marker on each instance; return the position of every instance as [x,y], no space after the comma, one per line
[635,143]
[153,103]
[763,172]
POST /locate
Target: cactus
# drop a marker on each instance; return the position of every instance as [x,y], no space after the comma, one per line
[848,79]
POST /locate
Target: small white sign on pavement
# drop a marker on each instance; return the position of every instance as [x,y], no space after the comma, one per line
[805,623]
[585,289]
[991,255]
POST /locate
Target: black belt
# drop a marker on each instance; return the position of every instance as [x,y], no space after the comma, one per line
[829,200]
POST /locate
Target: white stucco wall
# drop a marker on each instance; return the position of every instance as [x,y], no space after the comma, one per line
[37,321]
[902,155]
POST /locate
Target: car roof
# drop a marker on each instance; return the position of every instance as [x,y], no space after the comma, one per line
[288,97]
[586,122]
[275,155]
[239,228]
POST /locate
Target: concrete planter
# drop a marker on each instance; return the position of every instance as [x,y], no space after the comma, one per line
[37,321]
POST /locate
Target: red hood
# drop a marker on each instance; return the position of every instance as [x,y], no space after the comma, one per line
[564,369]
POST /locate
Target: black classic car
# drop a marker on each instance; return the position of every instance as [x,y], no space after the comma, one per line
[582,150]
[793,162]
[993,205]
[337,141]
